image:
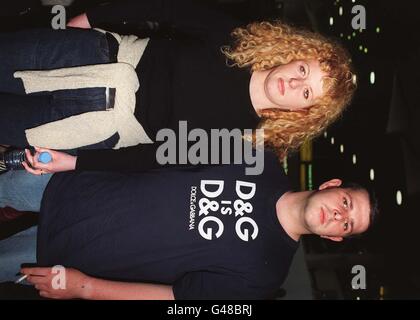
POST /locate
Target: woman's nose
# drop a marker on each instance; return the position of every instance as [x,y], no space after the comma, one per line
[294,83]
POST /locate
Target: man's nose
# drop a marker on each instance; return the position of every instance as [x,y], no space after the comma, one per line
[338,216]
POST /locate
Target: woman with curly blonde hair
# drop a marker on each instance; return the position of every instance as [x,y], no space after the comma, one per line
[267,48]
[208,70]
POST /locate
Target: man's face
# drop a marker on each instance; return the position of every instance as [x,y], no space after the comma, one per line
[334,212]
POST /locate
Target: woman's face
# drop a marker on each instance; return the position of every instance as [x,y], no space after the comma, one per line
[295,85]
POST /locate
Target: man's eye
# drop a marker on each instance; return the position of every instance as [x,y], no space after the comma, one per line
[345,203]
[346,226]
[302,70]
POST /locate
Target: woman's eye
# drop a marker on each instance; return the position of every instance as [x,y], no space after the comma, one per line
[346,226]
[306,93]
[302,70]
[345,203]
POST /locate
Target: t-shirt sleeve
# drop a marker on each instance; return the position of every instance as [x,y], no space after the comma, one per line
[202,285]
[184,15]
[142,157]
[138,158]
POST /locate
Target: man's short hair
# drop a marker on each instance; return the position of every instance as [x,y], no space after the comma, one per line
[373,203]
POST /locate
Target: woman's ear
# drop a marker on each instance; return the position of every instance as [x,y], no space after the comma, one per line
[304,110]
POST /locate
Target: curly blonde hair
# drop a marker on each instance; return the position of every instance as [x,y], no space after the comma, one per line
[264,45]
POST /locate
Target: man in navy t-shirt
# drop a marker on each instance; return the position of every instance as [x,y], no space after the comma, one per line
[197,233]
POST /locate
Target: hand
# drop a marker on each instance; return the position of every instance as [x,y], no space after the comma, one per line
[60,162]
[74,285]
[80,21]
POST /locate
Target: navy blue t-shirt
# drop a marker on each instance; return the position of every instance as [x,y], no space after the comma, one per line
[212,232]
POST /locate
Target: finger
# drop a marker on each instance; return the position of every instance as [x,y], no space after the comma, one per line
[33,160]
[29,157]
[39,149]
[36,163]
[42,165]
[39,165]
[41,287]
[29,168]
[37,280]
[36,271]
[37,172]
[44,294]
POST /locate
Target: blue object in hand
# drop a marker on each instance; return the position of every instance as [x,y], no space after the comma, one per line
[44,157]
[12,160]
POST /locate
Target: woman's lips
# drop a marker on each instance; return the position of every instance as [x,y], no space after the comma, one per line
[281,86]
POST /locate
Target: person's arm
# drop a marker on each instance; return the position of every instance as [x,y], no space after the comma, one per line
[132,159]
[60,161]
[104,289]
[80,286]
[80,21]
[142,157]
[189,15]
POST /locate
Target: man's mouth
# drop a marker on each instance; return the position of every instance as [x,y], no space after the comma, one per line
[322,216]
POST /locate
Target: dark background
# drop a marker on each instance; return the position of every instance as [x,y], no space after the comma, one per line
[380,128]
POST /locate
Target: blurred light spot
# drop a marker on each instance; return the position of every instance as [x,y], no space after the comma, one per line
[341,148]
[378,29]
[366,50]
[372,174]
[331,21]
[332,140]
[325,134]
[361,48]
[354,79]
[353,34]
[341,35]
[354,159]
[285,166]
[340,11]
[372,77]
[399,197]
[349,37]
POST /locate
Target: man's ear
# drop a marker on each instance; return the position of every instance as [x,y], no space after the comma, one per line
[337,239]
[333,183]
